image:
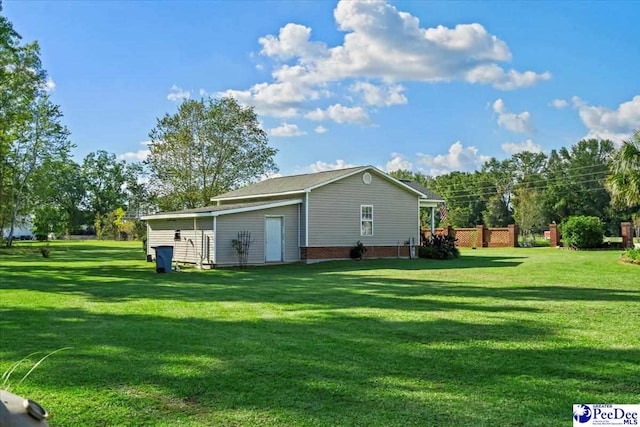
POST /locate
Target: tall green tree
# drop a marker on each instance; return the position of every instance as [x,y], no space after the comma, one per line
[206,148]
[528,210]
[623,182]
[574,181]
[495,186]
[461,194]
[105,179]
[40,140]
[60,202]
[22,80]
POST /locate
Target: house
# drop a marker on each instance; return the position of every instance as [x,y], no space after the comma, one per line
[307,218]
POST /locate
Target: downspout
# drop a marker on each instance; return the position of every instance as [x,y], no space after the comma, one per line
[215,239]
[148,238]
[195,243]
[306,219]
[419,221]
[299,231]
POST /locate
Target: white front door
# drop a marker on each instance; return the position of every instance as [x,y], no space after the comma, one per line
[273,239]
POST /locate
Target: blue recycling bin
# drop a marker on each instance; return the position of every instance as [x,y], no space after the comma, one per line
[164,258]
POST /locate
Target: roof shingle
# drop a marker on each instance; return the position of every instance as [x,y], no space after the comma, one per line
[287,184]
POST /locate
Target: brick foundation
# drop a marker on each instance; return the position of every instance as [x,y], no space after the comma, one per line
[343,252]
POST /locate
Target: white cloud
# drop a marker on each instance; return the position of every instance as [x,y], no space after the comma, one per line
[286,130]
[382,46]
[135,156]
[458,158]
[320,129]
[381,96]
[177,94]
[493,74]
[281,99]
[398,162]
[340,114]
[559,103]
[510,121]
[321,166]
[49,85]
[614,124]
[292,41]
[519,147]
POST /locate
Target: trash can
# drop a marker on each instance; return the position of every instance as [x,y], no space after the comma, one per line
[164,257]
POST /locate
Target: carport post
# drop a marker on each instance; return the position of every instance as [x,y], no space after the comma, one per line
[433,221]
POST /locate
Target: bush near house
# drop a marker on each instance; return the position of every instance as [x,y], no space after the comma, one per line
[632,256]
[582,232]
[440,247]
[358,251]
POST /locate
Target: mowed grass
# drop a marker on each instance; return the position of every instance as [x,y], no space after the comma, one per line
[500,337]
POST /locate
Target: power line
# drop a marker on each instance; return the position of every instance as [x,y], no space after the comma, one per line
[487,190]
[541,180]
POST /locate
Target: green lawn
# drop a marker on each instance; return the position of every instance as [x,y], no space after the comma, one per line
[500,337]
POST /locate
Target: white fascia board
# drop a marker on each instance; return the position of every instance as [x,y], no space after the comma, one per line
[225,212]
[428,203]
[259,207]
[177,215]
[257,196]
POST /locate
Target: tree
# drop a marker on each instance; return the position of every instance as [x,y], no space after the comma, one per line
[497,213]
[105,179]
[575,180]
[208,147]
[43,138]
[623,182]
[140,199]
[30,130]
[528,212]
[60,201]
[460,192]
[495,185]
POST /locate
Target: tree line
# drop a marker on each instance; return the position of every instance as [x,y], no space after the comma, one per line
[592,178]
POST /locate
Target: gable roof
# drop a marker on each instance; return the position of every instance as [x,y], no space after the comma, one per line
[211,211]
[428,194]
[296,184]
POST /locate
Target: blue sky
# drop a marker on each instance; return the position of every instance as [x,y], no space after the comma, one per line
[429,86]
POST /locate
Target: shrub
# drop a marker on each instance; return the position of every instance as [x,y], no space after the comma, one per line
[358,251]
[440,247]
[582,232]
[632,256]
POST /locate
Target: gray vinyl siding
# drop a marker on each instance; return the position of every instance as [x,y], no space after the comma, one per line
[334,212]
[193,244]
[254,222]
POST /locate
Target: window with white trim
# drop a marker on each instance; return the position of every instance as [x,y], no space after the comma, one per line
[366,220]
